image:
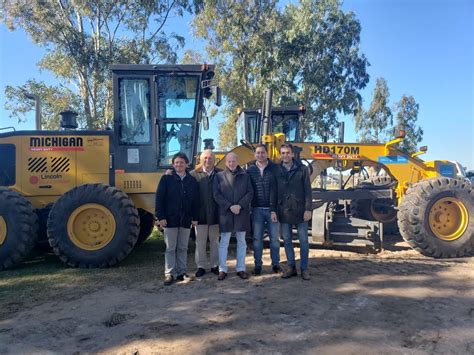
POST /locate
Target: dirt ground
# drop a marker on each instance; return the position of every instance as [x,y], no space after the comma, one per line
[396,302]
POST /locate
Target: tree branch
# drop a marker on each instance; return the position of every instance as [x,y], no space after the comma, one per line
[164,21]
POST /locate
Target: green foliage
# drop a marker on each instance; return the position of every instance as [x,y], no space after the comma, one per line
[83,38]
[54,99]
[239,37]
[374,125]
[407,115]
[320,49]
[307,53]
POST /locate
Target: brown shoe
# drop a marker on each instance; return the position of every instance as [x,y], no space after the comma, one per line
[222,276]
[289,273]
[243,275]
[305,275]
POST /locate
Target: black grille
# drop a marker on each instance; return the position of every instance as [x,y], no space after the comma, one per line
[132,184]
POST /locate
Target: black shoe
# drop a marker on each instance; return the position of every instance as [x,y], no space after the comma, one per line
[183,277]
[200,272]
[168,280]
[257,271]
[215,270]
[276,269]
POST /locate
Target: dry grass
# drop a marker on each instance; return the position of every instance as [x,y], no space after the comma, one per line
[43,277]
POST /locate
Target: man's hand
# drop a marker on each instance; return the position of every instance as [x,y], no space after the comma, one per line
[169,172]
[307,216]
[161,223]
[274,217]
[235,209]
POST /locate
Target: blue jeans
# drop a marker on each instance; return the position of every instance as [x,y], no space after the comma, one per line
[241,250]
[261,218]
[304,245]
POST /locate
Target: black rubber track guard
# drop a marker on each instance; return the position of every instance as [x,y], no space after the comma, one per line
[413,217]
[22,227]
[123,241]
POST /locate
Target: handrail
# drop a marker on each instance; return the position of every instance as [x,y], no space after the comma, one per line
[4,128]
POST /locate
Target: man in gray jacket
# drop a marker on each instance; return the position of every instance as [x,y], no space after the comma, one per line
[208,218]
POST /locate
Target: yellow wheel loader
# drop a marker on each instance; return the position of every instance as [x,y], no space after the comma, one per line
[432,209]
[92,193]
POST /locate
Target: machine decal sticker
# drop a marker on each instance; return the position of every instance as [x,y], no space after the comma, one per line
[95,142]
[447,170]
[336,152]
[133,156]
[42,144]
[393,159]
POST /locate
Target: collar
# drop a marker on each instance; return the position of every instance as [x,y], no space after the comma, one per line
[261,167]
[207,172]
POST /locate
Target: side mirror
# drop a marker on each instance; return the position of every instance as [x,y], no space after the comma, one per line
[218,96]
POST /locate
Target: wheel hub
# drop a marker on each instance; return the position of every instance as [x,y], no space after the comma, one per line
[91,226]
[3,230]
[448,218]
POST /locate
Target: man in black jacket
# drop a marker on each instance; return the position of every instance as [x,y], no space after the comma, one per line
[176,207]
[208,216]
[293,207]
[262,175]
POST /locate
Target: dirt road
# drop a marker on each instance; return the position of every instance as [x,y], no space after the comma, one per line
[397,302]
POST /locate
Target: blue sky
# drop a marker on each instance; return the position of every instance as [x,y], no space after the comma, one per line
[423,48]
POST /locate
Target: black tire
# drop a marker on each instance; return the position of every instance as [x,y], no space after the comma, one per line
[18,228]
[382,210]
[420,204]
[147,223]
[42,243]
[92,211]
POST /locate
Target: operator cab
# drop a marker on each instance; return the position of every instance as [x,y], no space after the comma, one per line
[287,120]
[157,113]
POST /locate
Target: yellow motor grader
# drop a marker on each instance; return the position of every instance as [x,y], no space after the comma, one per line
[424,201]
[91,194]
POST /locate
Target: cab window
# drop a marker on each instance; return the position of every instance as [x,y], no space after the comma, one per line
[287,124]
[175,138]
[135,122]
[177,96]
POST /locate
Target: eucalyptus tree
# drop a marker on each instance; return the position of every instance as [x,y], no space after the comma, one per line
[406,118]
[308,53]
[375,124]
[82,38]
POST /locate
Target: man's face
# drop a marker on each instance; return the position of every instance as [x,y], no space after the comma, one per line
[261,155]
[179,165]
[231,162]
[286,155]
[207,160]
